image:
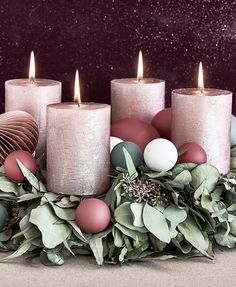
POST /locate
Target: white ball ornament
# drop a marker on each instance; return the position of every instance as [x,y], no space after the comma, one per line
[114,141]
[160,155]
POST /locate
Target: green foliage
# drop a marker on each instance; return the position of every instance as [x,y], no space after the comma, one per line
[199,212]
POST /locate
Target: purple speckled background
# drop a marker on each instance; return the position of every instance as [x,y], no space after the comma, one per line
[102,38]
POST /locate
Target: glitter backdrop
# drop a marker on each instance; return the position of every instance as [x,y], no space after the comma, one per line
[102,38]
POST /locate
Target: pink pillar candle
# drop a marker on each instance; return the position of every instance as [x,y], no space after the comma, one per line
[204,118]
[140,99]
[78,148]
[33,98]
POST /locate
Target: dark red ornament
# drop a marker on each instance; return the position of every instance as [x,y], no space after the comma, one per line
[11,167]
[191,152]
[93,215]
[134,130]
[162,122]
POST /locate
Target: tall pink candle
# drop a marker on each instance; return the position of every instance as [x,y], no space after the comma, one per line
[32,96]
[141,98]
[204,118]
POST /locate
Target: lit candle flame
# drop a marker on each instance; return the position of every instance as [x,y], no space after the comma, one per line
[140,67]
[32,67]
[200,78]
[77,98]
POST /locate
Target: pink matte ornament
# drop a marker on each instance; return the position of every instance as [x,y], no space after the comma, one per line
[134,130]
[192,152]
[11,168]
[162,122]
[93,215]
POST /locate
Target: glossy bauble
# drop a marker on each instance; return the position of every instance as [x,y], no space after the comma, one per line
[11,167]
[3,215]
[134,130]
[162,122]
[118,157]
[191,152]
[160,155]
[93,215]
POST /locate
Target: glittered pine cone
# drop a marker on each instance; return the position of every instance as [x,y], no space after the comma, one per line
[18,130]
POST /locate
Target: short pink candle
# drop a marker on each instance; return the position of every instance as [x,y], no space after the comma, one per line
[78,147]
[204,118]
[141,98]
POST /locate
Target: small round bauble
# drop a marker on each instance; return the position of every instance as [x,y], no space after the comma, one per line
[191,152]
[3,215]
[233,130]
[160,155]
[162,122]
[118,157]
[134,130]
[11,167]
[93,215]
[19,131]
[114,141]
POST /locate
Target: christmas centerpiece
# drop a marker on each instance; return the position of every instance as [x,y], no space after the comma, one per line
[162,197]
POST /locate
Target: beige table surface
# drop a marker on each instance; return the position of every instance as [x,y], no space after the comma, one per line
[82,271]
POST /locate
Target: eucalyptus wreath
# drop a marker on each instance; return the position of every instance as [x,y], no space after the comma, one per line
[183,212]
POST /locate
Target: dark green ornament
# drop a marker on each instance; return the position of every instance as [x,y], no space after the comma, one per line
[3,215]
[118,158]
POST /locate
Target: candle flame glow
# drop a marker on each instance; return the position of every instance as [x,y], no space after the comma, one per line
[200,78]
[77,98]
[140,67]
[32,67]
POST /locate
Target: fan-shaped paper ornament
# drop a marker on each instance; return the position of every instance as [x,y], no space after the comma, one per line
[18,130]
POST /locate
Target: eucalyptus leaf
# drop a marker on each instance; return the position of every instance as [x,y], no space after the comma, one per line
[205,173]
[136,235]
[207,203]
[193,235]
[118,238]
[66,203]
[185,248]
[158,174]
[64,213]
[227,241]
[137,214]
[122,254]
[55,257]
[29,196]
[53,234]
[97,249]
[8,186]
[175,214]
[216,194]
[156,223]
[136,253]
[24,247]
[232,207]
[31,177]
[157,244]
[80,234]
[123,215]
[182,179]
[182,167]
[129,164]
